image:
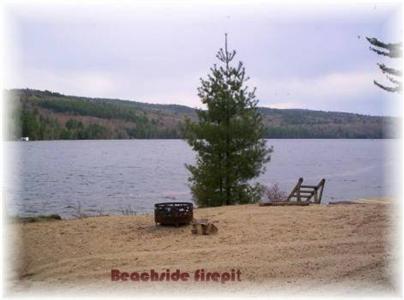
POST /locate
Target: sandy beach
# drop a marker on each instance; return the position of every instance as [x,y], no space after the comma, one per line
[345,246]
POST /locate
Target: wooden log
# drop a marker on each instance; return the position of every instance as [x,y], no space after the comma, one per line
[343,202]
[203,227]
[284,203]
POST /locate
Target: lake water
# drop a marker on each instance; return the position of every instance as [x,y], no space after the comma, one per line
[109,176]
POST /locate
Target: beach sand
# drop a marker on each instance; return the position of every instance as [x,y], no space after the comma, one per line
[343,248]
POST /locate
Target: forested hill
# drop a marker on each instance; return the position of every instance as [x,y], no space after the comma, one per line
[45,115]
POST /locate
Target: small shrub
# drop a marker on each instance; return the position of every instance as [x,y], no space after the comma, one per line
[128,211]
[40,218]
[274,193]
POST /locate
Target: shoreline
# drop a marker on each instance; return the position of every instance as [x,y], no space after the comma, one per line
[315,245]
[58,217]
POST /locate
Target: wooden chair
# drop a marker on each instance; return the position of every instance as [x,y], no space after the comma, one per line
[307,193]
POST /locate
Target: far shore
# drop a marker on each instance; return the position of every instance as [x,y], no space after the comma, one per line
[345,247]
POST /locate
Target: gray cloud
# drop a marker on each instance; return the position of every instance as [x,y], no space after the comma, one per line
[312,57]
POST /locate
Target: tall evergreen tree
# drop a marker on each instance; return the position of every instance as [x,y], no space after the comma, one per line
[227,137]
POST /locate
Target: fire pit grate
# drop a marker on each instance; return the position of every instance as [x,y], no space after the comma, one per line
[173,213]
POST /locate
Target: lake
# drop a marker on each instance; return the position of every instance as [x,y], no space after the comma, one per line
[111,176]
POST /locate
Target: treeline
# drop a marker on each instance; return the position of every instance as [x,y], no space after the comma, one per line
[318,132]
[299,123]
[38,127]
[46,115]
[51,116]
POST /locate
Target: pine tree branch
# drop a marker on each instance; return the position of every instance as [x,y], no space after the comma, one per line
[393,49]
[396,89]
[380,52]
[393,80]
[390,71]
[377,43]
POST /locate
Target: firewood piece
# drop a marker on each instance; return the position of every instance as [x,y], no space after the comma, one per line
[284,203]
[203,227]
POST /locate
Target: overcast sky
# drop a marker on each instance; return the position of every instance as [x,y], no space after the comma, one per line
[309,56]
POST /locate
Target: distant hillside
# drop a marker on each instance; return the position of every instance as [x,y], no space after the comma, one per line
[45,115]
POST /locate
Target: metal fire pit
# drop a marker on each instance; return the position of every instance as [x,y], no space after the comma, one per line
[173,213]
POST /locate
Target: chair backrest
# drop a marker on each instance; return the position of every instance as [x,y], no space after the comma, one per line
[307,193]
